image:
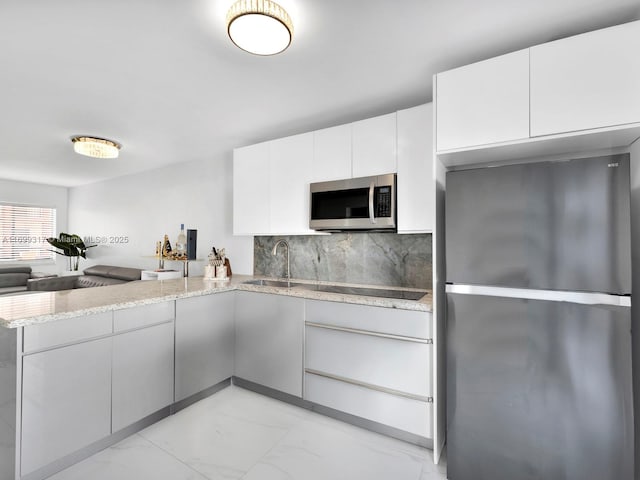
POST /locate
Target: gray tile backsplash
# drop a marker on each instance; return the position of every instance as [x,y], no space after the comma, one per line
[364,258]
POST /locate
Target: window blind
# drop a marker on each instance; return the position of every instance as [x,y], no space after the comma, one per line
[24,231]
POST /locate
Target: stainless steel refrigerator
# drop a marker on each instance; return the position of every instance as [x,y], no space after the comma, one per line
[538,268]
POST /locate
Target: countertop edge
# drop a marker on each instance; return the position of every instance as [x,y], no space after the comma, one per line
[200,287]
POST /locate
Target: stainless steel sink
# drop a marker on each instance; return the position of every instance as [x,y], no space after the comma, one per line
[272,283]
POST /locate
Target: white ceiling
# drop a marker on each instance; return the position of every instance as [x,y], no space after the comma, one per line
[162,78]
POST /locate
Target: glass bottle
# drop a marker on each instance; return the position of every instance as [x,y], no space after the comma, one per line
[181,242]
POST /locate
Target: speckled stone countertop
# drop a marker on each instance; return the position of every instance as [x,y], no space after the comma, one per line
[41,307]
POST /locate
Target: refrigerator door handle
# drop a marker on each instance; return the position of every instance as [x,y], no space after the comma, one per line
[585,298]
[372,217]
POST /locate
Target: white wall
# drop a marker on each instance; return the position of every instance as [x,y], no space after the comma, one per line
[139,209]
[635,292]
[36,194]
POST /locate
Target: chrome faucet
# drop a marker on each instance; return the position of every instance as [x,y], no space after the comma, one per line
[273,252]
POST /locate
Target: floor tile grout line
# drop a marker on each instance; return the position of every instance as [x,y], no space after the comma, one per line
[154,444]
[292,418]
[277,443]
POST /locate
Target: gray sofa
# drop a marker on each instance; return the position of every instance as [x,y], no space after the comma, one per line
[96,276]
[15,279]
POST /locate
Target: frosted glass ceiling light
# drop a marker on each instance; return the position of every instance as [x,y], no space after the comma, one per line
[261,27]
[95,147]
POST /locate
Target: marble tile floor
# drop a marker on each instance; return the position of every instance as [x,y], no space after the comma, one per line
[238,434]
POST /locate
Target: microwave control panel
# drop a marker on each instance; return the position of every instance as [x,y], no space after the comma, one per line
[383,201]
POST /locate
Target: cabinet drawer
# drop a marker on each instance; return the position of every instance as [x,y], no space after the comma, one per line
[71,330]
[375,319]
[406,414]
[136,317]
[399,365]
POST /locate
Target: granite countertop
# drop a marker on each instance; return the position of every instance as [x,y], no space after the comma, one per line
[41,307]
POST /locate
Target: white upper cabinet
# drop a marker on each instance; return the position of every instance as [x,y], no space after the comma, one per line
[271,179]
[290,162]
[251,190]
[416,188]
[374,146]
[331,154]
[585,82]
[359,149]
[483,103]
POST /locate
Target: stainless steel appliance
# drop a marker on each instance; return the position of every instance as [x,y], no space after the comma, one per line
[366,203]
[538,263]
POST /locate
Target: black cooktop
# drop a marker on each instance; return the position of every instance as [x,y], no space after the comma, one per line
[369,292]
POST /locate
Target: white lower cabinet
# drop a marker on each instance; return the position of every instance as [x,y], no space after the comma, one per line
[100,373]
[403,413]
[66,401]
[389,363]
[269,340]
[204,342]
[142,373]
[71,330]
[371,362]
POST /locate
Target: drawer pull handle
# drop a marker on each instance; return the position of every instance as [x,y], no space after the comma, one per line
[427,341]
[370,386]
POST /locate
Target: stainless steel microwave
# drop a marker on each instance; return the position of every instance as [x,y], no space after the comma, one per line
[366,203]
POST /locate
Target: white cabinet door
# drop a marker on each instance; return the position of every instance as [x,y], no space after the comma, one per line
[289,177]
[142,373]
[205,335]
[371,362]
[269,338]
[416,187]
[251,190]
[374,146]
[390,363]
[587,81]
[331,154]
[483,103]
[408,414]
[66,401]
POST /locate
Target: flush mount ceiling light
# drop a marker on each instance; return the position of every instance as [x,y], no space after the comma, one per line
[95,147]
[261,27]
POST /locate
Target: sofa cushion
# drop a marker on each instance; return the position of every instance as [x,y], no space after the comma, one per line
[15,269]
[51,284]
[13,279]
[85,281]
[12,290]
[120,273]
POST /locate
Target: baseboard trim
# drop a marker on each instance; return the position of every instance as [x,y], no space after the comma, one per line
[196,397]
[337,414]
[85,452]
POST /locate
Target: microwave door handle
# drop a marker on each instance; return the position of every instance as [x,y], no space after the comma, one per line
[371,213]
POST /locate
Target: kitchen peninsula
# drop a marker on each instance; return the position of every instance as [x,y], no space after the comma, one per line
[82,369]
